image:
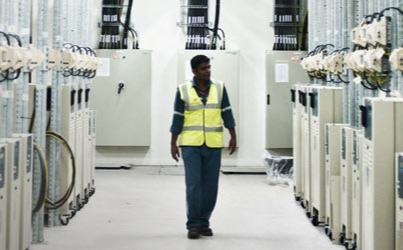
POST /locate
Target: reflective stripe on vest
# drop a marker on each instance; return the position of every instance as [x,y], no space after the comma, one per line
[202,123]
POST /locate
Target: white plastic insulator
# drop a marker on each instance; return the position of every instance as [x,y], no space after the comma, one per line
[396,59]
[38,58]
[4,58]
[54,58]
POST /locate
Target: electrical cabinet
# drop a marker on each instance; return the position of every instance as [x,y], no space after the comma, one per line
[332,180]
[121,97]
[297,146]
[325,107]
[68,131]
[86,145]
[78,145]
[346,178]
[14,192]
[356,196]
[26,157]
[3,195]
[382,121]
[283,69]
[224,67]
[399,201]
[92,130]
[304,99]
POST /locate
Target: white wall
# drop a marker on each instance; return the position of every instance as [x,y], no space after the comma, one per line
[246,24]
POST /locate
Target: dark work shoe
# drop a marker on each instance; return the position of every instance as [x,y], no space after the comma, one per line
[205,231]
[193,233]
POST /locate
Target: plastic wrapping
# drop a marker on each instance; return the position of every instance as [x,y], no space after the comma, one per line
[279,169]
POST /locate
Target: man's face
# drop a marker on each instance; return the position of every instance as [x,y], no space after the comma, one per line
[203,72]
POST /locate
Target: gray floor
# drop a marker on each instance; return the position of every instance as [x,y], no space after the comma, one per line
[144,209]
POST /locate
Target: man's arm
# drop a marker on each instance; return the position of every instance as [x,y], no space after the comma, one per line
[229,121]
[174,148]
[232,141]
[177,125]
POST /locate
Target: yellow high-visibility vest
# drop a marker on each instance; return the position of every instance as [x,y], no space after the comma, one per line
[202,123]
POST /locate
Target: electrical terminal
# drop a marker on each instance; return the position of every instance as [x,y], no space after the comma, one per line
[54,58]
[396,59]
[373,60]
[37,58]
[69,60]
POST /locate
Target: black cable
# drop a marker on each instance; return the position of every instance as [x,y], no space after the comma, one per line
[44,179]
[127,24]
[389,8]
[54,205]
[31,124]
[6,36]
[216,22]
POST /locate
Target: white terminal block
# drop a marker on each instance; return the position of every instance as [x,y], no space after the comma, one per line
[16,57]
[396,59]
[371,33]
[382,31]
[5,58]
[373,60]
[355,60]
[54,58]
[37,58]
[70,59]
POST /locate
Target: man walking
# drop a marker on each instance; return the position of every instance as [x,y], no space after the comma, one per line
[201,109]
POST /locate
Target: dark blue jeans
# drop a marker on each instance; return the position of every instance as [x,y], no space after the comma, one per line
[202,171]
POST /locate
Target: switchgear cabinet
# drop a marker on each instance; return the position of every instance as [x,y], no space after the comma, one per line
[3,195]
[283,70]
[332,180]
[121,98]
[325,107]
[382,121]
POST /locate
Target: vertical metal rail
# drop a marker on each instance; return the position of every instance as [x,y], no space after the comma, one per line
[399,79]
[40,36]
[52,146]
[8,89]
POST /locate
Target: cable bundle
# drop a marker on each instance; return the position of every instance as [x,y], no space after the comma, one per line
[289,28]
[199,35]
[111,23]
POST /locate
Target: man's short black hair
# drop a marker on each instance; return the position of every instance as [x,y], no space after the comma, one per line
[197,60]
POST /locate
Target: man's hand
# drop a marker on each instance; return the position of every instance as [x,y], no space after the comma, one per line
[175,152]
[232,146]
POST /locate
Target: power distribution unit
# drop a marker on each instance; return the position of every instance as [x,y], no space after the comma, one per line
[26,189]
[92,129]
[332,180]
[346,178]
[121,97]
[304,100]
[68,131]
[297,146]
[382,121]
[325,107]
[86,145]
[224,67]
[3,195]
[356,189]
[78,146]
[283,70]
[14,192]
[399,201]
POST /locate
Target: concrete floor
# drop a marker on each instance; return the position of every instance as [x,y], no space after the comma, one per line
[144,209]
